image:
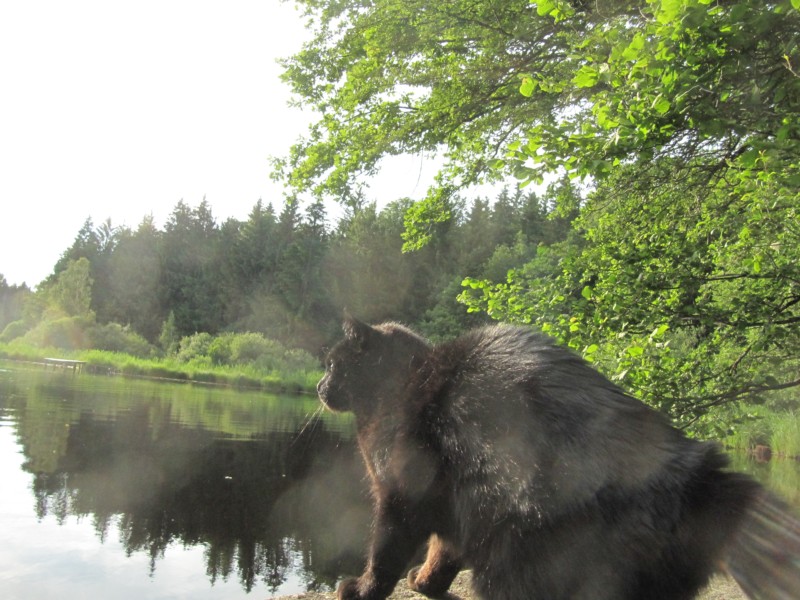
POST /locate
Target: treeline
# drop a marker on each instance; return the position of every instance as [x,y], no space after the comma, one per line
[12,301]
[287,275]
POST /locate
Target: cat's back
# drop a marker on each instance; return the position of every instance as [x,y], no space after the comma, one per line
[528,421]
[506,359]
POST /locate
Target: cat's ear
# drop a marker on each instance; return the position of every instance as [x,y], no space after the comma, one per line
[356,330]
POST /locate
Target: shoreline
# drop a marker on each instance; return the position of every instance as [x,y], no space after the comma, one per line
[721,587]
[128,366]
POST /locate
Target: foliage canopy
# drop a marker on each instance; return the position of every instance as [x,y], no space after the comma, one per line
[682,117]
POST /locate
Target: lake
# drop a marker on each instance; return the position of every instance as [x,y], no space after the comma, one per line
[129,488]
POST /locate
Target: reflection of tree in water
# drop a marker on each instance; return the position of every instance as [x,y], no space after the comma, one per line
[262,508]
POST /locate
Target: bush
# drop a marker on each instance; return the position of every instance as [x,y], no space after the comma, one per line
[116,338]
[14,330]
[300,360]
[248,348]
[194,346]
[67,333]
[255,349]
[220,349]
[202,351]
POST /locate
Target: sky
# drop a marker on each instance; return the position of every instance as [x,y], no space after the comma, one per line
[120,109]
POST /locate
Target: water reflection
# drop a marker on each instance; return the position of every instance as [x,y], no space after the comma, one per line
[260,493]
[268,490]
[781,475]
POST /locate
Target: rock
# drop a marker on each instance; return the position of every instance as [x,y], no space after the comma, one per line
[720,588]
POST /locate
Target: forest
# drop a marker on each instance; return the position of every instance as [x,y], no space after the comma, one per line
[665,249]
[288,276]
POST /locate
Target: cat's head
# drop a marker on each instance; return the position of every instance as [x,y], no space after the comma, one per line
[370,364]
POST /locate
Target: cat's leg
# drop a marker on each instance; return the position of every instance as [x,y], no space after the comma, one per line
[399,530]
[442,564]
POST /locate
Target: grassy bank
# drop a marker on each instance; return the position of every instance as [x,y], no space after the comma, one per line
[197,370]
[779,430]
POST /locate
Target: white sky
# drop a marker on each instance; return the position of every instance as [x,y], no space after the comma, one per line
[119,109]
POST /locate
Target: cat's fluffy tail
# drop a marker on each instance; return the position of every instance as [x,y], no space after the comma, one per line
[764,556]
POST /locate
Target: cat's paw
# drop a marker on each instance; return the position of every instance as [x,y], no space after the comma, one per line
[348,590]
[432,587]
[413,575]
[362,588]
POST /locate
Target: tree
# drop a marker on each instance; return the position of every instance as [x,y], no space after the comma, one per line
[298,276]
[391,77]
[96,244]
[12,301]
[71,293]
[190,276]
[257,246]
[135,270]
[365,271]
[685,287]
[702,82]
[169,339]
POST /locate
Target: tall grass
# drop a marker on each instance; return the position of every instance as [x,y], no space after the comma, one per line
[780,430]
[785,436]
[19,351]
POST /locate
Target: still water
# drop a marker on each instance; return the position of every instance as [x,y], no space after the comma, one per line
[124,488]
[129,488]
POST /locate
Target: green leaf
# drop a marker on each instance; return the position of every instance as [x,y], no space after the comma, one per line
[634,50]
[545,7]
[659,331]
[586,77]
[527,86]
[670,9]
[634,351]
[473,283]
[586,292]
[750,158]
[661,105]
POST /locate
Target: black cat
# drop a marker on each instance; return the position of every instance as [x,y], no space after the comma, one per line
[513,457]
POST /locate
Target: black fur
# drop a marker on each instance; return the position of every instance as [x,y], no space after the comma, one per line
[512,456]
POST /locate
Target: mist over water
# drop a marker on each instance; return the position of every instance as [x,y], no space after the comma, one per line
[129,489]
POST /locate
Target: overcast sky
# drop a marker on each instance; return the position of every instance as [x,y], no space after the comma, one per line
[119,109]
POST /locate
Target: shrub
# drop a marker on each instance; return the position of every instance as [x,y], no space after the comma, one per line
[297,359]
[67,333]
[14,330]
[247,348]
[220,349]
[168,339]
[194,346]
[116,338]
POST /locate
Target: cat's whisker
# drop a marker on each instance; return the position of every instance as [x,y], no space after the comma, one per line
[311,420]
